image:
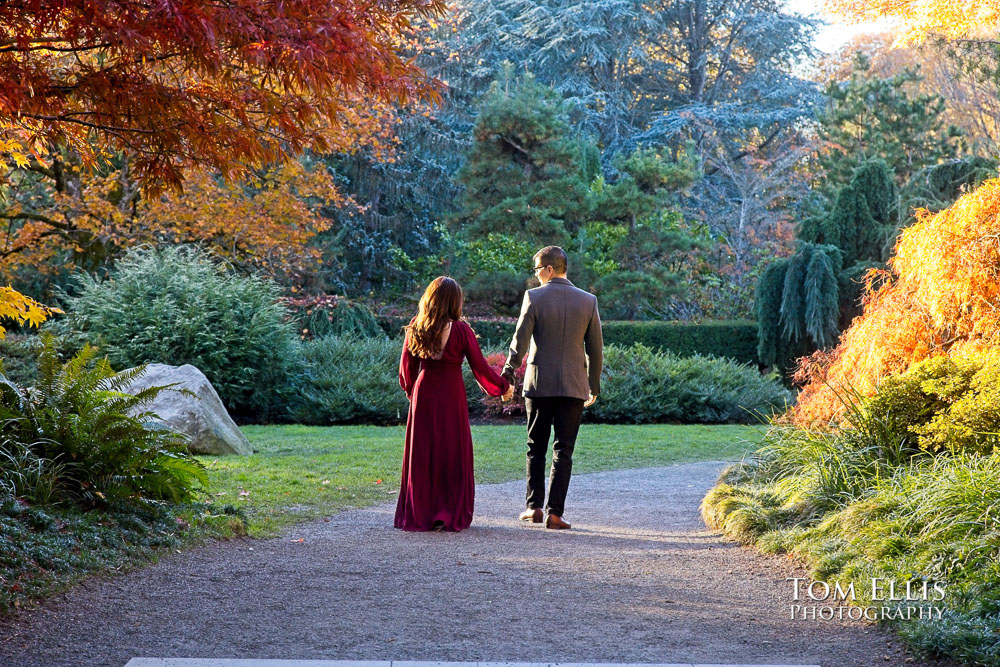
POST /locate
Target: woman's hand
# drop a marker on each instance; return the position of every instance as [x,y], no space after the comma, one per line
[507,395]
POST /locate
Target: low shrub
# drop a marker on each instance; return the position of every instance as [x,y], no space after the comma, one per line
[493,333]
[349,380]
[944,404]
[735,339]
[641,385]
[321,315]
[177,305]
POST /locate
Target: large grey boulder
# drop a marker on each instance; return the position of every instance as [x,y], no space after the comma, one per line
[203,417]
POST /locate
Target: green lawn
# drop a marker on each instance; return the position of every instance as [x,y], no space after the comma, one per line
[304,472]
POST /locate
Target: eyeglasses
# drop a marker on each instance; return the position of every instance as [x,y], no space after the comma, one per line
[538,268]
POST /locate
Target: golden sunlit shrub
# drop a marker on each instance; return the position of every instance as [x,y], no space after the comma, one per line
[943,404]
[941,297]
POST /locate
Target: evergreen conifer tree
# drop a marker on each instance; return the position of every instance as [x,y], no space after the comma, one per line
[642,201]
[773,348]
[869,117]
[524,177]
[862,212]
[818,295]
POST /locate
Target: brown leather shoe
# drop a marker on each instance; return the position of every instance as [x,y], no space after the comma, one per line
[555,522]
[532,514]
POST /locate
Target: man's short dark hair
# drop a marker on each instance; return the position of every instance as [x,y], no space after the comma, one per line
[554,256]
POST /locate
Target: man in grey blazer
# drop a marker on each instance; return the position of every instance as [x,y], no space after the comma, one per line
[560,330]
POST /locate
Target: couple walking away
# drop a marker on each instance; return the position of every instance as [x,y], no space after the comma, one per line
[560,330]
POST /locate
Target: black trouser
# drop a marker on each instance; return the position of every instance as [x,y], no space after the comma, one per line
[547,413]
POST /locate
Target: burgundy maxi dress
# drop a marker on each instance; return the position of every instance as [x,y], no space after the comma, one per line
[437,483]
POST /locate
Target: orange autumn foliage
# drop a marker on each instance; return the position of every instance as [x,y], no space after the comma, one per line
[267,230]
[225,86]
[920,18]
[178,86]
[265,226]
[942,297]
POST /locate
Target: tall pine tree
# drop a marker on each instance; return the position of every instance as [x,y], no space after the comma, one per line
[868,117]
[525,176]
[642,203]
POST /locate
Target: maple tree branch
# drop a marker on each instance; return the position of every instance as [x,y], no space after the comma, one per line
[66,227]
[96,126]
[39,168]
[742,154]
[26,246]
[12,47]
[37,40]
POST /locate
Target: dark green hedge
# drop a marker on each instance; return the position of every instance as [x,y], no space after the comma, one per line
[733,339]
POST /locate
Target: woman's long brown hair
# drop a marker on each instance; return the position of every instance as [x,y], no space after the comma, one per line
[440,304]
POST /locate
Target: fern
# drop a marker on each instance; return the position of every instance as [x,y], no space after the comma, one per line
[105,441]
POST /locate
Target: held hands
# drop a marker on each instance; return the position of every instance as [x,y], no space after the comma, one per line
[510,393]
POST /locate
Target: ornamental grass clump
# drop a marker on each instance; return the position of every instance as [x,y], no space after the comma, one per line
[932,520]
[880,496]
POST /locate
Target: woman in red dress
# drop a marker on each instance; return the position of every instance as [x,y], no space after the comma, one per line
[437,491]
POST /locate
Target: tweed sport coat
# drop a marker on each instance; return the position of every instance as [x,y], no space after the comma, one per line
[560,330]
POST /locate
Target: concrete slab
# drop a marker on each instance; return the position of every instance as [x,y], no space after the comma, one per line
[246,662]
[249,662]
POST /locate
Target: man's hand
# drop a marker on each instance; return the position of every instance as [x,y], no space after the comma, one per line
[508,394]
[590,401]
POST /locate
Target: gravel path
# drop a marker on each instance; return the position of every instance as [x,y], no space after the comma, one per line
[638,579]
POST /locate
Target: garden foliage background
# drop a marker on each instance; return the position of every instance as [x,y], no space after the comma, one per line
[764,227]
